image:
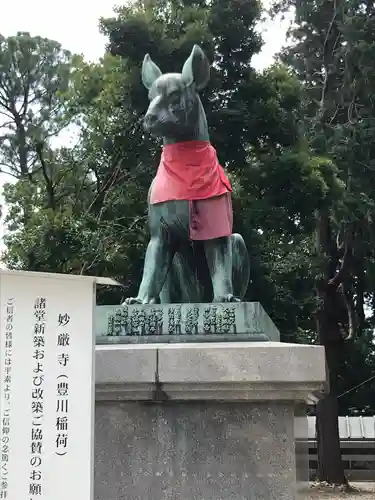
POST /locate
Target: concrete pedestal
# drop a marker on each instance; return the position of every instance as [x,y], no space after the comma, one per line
[201,421]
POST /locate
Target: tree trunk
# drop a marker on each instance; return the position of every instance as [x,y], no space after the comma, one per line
[330,464]
[330,316]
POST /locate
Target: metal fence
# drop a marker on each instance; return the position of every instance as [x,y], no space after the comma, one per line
[357,437]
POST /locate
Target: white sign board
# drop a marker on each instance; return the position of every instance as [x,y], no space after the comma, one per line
[47,386]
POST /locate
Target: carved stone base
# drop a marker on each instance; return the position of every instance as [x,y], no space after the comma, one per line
[175,323]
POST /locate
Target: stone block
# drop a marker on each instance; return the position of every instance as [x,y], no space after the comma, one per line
[200,450]
[125,373]
[241,370]
[176,323]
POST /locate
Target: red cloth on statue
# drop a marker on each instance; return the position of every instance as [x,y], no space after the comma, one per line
[211,218]
[189,171]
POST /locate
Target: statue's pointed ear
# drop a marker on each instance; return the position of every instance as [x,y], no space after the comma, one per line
[196,68]
[150,72]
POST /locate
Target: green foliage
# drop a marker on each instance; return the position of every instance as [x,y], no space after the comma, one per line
[329,52]
[34,76]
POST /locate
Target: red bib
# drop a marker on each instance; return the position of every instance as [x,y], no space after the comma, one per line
[189,171]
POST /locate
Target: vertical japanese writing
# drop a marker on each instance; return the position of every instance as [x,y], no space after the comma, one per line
[174,320]
[191,322]
[62,384]
[37,399]
[219,321]
[6,403]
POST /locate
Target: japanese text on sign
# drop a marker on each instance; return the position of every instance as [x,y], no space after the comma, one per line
[37,398]
[62,385]
[6,403]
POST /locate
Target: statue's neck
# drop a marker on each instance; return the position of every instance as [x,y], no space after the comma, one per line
[199,134]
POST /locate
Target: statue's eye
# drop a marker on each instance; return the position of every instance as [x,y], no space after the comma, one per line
[174,98]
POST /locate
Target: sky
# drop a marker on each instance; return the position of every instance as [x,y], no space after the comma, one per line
[74,23]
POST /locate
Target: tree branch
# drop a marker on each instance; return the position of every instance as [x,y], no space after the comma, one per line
[103,190]
[48,181]
[344,269]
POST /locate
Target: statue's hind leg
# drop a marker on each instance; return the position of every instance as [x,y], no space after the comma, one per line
[240,266]
[218,253]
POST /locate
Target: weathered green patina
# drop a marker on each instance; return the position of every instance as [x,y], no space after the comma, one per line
[177,269]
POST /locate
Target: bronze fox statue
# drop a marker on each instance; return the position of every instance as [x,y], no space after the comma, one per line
[192,255]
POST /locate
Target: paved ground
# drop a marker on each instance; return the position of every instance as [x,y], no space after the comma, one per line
[362,491]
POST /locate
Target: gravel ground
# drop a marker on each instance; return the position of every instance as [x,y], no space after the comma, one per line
[362,491]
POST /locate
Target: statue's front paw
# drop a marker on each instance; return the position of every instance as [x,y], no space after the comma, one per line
[131,300]
[226,298]
[136,300]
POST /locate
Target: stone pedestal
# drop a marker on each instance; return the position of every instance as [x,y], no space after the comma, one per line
[201,421]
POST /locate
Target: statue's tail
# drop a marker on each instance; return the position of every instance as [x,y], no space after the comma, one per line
[240,266]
